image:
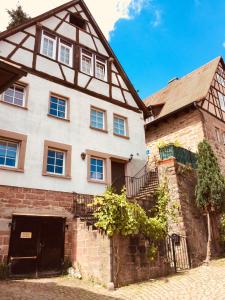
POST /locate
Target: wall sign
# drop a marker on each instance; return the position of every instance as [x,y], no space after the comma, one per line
[26,235]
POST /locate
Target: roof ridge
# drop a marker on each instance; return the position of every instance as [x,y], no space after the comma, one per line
[183,77]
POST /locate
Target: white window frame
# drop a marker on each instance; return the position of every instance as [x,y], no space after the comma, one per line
[220,79]
[221,100]
[64,44]
[103,168]
[103,123]
[64,162]
[24,94]
[91,56]
[125,125]
[102,62]
[66,106]
[224,138]
[17,153]
[44,35]
[218,139]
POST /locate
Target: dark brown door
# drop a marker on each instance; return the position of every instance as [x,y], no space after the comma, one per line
[36,245]
[118,176]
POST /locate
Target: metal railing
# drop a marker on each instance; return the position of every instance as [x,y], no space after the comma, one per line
[135,184]
[182,155]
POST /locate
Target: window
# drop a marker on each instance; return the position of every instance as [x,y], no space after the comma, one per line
[65,53]
[57,160]
[220,80]
[217,134]
[48,45]
[222,101]
[100,68]
[77,21]
[119,126]
[8,153]
[15,94]
[86,62]
[59,106]
[98,118]
[12,150]
[224,138]
[96,168]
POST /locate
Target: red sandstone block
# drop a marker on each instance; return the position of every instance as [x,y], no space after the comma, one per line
[39,192]
[6,240]
[20,195]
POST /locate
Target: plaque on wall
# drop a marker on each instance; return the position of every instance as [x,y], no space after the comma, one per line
[26,235]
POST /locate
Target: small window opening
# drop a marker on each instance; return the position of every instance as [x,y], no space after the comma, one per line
[77,21]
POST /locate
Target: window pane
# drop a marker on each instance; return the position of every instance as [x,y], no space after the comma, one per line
[119,126]
[96,168]
[86,64]
[97,119]
[8,153]
[55,162]
[57,107]
[14,95]
[10,162]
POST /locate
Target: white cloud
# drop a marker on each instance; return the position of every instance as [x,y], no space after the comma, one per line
[106,13]
[223,44]
[158,18]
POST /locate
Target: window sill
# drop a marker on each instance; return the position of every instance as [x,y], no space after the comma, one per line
[14,105]
[99,129]
[58,118]
[92,76]
[97,181]
[12,169]
[122,136]
[57,176]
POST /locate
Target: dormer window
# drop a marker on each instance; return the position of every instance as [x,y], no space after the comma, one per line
[65,53]
[100,68]
[48,45]
[86,62]
[77,21]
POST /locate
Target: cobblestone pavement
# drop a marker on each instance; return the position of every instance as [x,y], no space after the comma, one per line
[205,282]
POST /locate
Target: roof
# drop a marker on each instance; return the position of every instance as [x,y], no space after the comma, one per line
[50,13]
[9,73]
[185,91]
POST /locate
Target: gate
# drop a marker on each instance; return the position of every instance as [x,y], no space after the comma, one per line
[36,246]
[177,252]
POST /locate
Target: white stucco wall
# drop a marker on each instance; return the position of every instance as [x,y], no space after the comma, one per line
[35,123]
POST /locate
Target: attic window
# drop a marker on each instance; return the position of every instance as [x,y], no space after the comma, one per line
[77,21]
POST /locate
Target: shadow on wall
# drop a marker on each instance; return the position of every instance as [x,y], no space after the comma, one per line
[49,289]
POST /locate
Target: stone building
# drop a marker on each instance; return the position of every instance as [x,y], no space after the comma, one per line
[185,112]
[190,109]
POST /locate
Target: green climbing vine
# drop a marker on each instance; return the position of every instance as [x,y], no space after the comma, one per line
[115,214]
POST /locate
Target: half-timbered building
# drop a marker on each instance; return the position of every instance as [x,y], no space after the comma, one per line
[71,123]
[188,110]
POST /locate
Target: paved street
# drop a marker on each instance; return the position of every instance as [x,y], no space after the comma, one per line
[197,284]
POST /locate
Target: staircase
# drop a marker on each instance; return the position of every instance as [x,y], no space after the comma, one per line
[140,188]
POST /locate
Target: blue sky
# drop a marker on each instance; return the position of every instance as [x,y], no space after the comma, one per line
[169,38]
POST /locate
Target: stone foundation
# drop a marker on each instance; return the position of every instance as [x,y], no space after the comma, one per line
[131,263]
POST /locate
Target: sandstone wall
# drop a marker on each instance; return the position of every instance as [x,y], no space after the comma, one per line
[187,128]
[188,220]
[210,125]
